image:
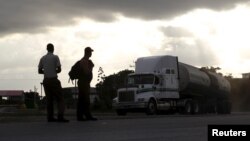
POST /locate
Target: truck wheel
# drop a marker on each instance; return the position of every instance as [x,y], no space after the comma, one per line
[188,108]
[224,107]
[152,108]
[229,107]
[121,112]
[219,107]
[196,108]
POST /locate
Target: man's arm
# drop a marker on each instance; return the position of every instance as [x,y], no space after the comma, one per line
[58,69]
[58,64]
[40,67]
[40,71]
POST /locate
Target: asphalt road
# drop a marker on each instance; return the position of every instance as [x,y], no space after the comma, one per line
[134,127]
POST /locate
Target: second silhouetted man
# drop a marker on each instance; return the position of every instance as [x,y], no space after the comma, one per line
[83,103]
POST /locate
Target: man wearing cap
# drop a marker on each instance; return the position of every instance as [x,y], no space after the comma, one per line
[50,65]
[83,103]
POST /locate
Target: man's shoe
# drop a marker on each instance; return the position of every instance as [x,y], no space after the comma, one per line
[63,120]
[52,120]
[81,119]
[92,119]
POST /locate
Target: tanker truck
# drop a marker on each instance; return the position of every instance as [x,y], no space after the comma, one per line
[163,84]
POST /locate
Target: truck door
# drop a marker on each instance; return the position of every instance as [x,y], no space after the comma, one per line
[170,84]
[171,81]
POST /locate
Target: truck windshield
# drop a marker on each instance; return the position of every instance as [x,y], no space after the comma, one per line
[141,79]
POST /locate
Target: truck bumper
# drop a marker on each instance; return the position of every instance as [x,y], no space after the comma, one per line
[139,105]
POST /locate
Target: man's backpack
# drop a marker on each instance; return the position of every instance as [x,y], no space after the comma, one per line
[75,71]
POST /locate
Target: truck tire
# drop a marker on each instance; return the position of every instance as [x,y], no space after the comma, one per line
[229,107]
[212,108]
[151,108]
[196,108]
[121,112]
[224,107]
[188,108]
[220,108]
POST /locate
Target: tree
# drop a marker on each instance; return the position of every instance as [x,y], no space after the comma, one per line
[211,69]
[101,75]
[229,76]
[108,86]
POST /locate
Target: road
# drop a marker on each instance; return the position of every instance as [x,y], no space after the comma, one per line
[134,127]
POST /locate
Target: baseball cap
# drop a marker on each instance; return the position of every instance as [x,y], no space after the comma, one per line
[88,49]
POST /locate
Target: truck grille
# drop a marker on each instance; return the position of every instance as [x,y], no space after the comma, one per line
[126,96]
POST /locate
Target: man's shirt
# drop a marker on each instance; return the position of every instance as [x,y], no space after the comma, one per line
[49,64]
[87,65]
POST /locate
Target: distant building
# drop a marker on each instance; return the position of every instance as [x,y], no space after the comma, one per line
[246,75]
[11,97]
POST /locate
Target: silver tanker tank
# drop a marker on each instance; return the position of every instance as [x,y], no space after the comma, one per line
[193,80]
[219,83]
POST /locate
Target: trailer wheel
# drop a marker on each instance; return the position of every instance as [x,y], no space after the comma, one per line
[121,112]
[151,108]
[188,108]
[196,109]
[224,107]
[229,107]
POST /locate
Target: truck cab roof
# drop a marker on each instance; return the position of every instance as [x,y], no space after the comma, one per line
[155,64]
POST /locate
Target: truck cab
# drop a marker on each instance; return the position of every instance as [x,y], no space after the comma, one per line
[149,88]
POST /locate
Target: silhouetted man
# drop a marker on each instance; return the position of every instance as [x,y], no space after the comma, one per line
[83,104]
[50,65]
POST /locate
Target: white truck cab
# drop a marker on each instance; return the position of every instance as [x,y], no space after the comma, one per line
[154,82]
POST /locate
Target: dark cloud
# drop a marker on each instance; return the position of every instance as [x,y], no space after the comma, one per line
[29,16]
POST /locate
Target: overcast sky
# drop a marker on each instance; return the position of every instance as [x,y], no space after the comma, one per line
[199,32]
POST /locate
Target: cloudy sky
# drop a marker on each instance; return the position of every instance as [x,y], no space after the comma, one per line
[199,32]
